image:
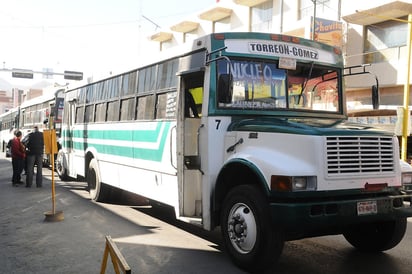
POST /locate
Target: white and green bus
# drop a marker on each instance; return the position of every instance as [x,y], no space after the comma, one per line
[39,110]
[45,111]
[9,122]
[247,132]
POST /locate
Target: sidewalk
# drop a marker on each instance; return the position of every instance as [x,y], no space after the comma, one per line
[29,244]
[76,244]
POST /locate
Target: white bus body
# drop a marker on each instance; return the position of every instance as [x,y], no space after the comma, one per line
[248,131]
[8,124]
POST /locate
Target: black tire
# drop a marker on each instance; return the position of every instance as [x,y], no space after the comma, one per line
[94,183]
[376,237]
[250,239]
[61,167]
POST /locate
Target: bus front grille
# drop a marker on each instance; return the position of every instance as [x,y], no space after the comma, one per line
[359,155]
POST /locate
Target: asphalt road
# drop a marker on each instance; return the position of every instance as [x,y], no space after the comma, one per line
[29,244]
[149,240]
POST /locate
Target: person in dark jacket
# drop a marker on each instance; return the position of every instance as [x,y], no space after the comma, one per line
[34,151]
[18,155]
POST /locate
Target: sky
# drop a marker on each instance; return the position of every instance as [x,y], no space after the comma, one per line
[90,36]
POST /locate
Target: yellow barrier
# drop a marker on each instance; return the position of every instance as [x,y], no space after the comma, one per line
[116,256]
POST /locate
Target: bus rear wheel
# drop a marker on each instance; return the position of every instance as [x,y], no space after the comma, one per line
[376,237]
[94,184]
[249,237]
[60,167]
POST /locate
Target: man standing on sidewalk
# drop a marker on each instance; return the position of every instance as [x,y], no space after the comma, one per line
[35,149]
[18,156]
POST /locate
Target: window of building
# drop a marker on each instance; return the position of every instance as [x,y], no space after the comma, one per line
[384,40]
[261,17]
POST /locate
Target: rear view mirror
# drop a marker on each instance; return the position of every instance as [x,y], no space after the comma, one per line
[225,88]
[375,97]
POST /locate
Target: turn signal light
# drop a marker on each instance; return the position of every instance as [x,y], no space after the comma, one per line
[292,183]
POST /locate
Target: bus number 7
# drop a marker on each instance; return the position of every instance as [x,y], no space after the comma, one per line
[218,123]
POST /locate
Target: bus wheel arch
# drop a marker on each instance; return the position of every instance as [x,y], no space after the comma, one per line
[233,174]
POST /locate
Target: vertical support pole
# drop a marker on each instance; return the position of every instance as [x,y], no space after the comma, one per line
[50,145]
[51,122]
[314,20]
[406,94]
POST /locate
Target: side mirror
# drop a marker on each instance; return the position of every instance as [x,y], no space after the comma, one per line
[375,97]
[225,88]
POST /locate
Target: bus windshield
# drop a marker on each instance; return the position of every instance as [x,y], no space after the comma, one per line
[262,85]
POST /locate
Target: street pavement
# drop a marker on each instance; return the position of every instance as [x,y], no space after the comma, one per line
[30,243]
[149,240]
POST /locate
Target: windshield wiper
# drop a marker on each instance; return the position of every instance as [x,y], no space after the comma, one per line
[306,82]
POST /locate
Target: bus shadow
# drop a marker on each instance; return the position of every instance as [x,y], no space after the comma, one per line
[164,213]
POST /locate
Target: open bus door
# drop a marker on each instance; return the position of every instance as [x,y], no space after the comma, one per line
[65,157]
[189,161]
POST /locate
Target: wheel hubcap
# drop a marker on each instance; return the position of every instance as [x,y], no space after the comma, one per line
[242,228]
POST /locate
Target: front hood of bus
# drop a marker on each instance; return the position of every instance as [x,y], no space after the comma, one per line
[303,126]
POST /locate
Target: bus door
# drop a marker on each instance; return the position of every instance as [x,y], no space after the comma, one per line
[189,166]
[69,138]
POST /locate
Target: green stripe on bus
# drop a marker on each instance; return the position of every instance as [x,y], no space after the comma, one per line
[151,154]
[122,135]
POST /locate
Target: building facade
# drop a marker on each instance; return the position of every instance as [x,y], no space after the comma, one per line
[368,32]
[6,102]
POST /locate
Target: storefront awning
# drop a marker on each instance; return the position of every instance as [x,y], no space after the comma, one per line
[161,36]
[185,26]
[215,14]
[395,9]
[249,3]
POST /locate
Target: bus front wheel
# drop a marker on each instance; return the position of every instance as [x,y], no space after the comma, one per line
[94,183]
[250,239]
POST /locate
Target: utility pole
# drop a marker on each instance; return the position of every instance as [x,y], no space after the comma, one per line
[313,21]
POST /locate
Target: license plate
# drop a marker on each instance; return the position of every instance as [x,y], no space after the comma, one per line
[367,208]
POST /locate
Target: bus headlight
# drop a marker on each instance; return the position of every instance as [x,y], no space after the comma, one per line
[293,183]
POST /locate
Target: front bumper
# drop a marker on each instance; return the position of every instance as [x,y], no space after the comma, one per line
[332,216]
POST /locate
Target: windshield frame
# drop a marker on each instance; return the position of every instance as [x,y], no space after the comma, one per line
[304,70]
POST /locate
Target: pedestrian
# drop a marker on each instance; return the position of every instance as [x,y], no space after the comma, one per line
[18,156]
[34,150]
[24,141]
